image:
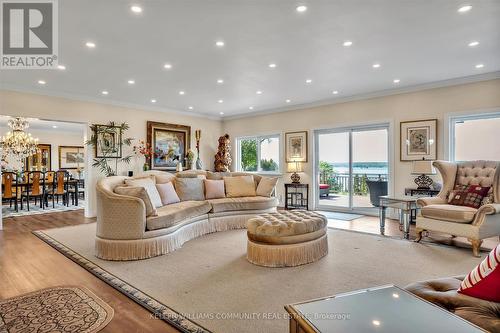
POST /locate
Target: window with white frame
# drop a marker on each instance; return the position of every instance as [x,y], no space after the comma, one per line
[475,137]
[259,153]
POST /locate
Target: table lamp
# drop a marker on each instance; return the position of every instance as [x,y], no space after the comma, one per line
[295,167]
[423,168]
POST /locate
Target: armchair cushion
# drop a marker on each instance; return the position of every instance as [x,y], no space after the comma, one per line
[451,213]
[468,195]
[422,202]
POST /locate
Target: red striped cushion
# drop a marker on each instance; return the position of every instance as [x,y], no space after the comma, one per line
[484,280]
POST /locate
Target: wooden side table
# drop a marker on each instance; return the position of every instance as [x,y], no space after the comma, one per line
[296,196]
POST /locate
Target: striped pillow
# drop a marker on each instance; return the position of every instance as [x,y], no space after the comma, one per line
[484,280]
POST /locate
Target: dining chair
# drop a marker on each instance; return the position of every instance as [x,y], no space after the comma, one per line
[34,189]
[59,187]
[9,193]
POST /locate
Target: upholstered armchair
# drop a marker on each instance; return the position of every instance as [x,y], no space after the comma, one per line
[474,224]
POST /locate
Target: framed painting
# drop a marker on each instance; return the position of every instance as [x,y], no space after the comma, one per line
[41,161]
[296,146]
[71,157]
[170,143]
[418,140]
[108,143]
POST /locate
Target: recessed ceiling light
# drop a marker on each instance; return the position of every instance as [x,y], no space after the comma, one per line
[90,45]
[474,43]
[464,8]
[54,126]
[347,43]
[377,65]
[479,65]
[395,295]
[42,82]
[182,92]
[288,101]
[272,65]
[167,66]
[61,67]
[335,92]
[190,108]
[104,92]
[220,81]
[376,322]
[221,113]
[136,9]
[301,8]
[250,107]
[258,92]
[396,80]
[153,100]
[220,43]
[308,81]
[220,101]
[131,81]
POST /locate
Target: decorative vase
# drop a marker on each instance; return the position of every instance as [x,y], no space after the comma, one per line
[192,165]
[199,164]
[145,167]
[179,167]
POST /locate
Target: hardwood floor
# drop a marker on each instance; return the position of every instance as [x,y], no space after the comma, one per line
[28,264]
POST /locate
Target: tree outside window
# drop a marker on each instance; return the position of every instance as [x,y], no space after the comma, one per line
[260,154]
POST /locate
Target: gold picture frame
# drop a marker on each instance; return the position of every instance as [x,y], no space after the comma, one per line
[71,157]
[170,143]
[418,140]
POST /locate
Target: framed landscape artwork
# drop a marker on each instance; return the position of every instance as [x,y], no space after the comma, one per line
[41,160]
[296,146]
[108,141]
[170,143]
[71,157]
[418,140]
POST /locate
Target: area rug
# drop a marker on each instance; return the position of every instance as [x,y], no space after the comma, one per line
[208,285]
[59,309]
[36,210]
[340,216]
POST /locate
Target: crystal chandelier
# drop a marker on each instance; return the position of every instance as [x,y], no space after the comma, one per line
[18,144]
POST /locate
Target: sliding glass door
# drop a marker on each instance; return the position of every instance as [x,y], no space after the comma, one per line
[351,167]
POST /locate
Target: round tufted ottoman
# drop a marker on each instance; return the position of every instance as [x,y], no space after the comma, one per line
[286,238]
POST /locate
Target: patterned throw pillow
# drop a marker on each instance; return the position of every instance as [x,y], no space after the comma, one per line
[483,281]
[468,195]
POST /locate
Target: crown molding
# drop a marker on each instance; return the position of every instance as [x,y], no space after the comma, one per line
[76,97]
[376,94]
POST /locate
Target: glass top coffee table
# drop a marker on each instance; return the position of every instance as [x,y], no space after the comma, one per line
[380,309]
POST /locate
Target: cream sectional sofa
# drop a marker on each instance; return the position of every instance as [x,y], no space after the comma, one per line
[125,233]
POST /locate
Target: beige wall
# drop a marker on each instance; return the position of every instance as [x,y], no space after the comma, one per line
[426,104]
[55,108]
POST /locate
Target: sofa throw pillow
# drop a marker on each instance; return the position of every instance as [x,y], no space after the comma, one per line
[167,193]
[468,195]
[138,192]
[484,280]
[241,186]
[189,189]
[149,186]
[214,189]
[266,186]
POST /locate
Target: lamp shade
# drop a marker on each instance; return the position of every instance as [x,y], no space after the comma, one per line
[294,167]
[423,167]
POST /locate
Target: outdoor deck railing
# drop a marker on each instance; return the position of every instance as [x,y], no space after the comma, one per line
[339,182]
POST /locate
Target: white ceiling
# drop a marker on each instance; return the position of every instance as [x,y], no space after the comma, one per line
[418,42]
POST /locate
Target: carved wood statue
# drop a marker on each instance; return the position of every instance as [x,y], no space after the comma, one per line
[223,157]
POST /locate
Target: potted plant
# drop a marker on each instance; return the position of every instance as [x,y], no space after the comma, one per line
[145,150]
[190,159]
